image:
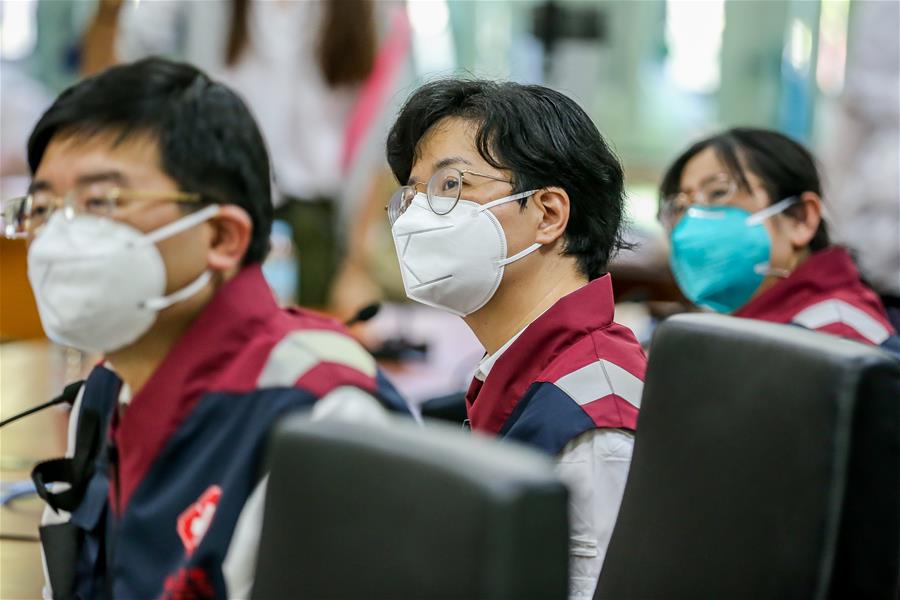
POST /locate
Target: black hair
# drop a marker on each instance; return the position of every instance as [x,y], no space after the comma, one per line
[784,167]
[543,138]
[208,141]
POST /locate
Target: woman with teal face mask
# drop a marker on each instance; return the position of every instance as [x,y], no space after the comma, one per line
[743,211]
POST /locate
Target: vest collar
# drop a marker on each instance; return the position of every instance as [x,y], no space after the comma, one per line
[572,317]
[824,274]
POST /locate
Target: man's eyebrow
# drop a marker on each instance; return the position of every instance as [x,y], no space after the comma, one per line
[450,161]
[442,164]
[40,185]
[103,176]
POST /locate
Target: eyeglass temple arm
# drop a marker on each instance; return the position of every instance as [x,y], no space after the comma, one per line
[177,196]
[485,176]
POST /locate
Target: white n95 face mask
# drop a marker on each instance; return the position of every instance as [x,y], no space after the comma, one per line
[455,261]
[99,283]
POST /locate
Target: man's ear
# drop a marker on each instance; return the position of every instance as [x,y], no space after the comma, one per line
[232,230]
[553,202]
[805,218]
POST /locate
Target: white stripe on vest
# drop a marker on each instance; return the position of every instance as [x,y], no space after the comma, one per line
[833,311]
[300,351]
[600,379]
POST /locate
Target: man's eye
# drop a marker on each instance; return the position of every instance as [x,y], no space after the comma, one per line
[97,204]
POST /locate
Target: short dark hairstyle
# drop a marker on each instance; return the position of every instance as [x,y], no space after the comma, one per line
[784,166]
[543,138]
[208,141]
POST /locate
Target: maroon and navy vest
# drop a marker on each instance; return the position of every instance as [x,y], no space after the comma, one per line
[175,468]
[570,371]
[826,294]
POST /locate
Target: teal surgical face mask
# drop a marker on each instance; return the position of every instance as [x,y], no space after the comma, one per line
[720,254]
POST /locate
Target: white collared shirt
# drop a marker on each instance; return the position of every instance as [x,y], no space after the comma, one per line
[594,466]
[487,363]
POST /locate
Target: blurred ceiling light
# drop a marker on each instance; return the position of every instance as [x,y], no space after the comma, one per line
[433,47]
[799,46]
[832,53]
[18,28]
[428,17]
[694,41]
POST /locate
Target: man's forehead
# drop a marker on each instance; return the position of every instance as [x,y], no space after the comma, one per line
[449,131]
[70,156]
[112,141]
[101,146]
[448,143]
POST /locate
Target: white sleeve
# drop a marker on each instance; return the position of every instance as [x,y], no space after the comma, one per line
[349,403]
[240,560]
[594,466]
[344,403]
[49,516]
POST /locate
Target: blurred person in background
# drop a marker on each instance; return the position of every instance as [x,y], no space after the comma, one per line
[863,156]
[298,65]
[147,219]
[21,104]
[510,207]
[743,210]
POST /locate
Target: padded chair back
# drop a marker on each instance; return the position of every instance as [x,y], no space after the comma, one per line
[766,465]
[451,407]
[394,512]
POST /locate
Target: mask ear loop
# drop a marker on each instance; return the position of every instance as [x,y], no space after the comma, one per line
[519,255]
[777,208]
[182,224]
[759,217]
[167,231]
[157,304]
[513,198]
[506,199]
[767,270]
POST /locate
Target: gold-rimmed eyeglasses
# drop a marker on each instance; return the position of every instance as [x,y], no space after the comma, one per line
[717,191]
[23,216]
[442,191]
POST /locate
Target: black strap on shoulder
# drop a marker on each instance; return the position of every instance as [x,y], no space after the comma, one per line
[60,543]
[75,471]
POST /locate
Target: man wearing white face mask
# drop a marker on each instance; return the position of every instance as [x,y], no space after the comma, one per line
[147,219]
[510,210]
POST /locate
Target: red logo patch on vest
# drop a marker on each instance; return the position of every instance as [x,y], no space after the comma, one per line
[193,522]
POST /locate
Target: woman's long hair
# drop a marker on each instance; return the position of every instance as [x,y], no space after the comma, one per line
[346,46]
